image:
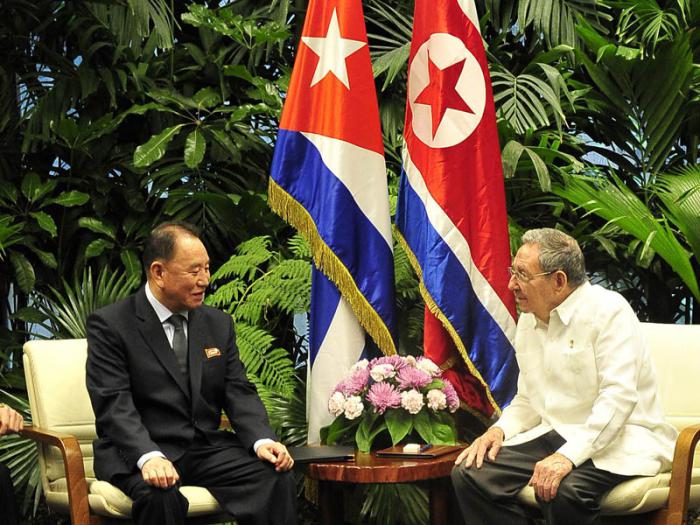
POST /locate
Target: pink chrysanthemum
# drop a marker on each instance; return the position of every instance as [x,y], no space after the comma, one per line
[410,377]
[382,396]
[451,394]
[354,384]
[396,361]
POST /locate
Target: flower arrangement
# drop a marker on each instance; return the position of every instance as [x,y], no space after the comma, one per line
[397,394]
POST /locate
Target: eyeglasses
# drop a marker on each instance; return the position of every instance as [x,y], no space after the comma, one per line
[524,278]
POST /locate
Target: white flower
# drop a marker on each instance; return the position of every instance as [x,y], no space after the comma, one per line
[412,400]
[353,407]
[428,366]
[382,372]
[437,400]
[410,361]
[362,364]
[335,404]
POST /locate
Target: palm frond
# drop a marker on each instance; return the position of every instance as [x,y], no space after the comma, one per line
[680,194]
[69,308]
[617,204]
[555,20]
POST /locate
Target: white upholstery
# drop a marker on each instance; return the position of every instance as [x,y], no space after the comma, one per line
[55,373]
[675,350]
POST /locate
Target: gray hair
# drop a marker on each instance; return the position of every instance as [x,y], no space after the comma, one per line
[558,251]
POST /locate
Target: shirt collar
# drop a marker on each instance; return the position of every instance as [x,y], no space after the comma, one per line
[161,310]
[565,311]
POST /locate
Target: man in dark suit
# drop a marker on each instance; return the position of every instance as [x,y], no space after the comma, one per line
[161,368]
[10,421]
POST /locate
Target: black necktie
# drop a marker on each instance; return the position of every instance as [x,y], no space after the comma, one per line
[179,341]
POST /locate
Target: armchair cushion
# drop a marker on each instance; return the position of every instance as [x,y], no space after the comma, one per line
[636,496]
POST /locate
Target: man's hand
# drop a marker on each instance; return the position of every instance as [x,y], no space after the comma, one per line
[159,472]
[548,475]
[277,454]
[489,442]
[10,420]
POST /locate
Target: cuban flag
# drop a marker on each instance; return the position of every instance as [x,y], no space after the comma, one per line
[328,180]
[451,211]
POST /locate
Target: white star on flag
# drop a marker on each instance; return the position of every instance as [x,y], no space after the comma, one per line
[332,51]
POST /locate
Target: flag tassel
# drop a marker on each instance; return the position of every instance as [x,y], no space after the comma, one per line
[435,310]
[328,262]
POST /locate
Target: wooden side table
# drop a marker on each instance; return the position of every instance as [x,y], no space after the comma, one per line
[367,468]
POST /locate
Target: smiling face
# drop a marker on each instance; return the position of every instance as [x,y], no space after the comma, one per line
[180,282]
[536,294]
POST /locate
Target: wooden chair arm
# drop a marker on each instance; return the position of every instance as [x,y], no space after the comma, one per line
[681,474]
[73,465]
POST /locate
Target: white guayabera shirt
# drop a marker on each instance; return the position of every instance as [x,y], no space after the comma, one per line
[588,375]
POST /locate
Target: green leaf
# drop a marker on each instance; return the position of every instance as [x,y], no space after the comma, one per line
[30,314]
[337,430]
[443,428]
[31,184]
[97,226]
[96,247]
[399,422]
[45,222]
[195,145]
[206,98]
[511,155]
[239,72]
[131,262]
[367,431]
[47,258]
[154,149]
[24,271]
[71,198]
[424,427]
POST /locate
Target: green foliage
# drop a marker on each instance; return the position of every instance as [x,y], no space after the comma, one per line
[262,289]
[391,503]
[19,455]
[63,314]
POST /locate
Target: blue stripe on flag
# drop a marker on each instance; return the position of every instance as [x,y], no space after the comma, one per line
[324,302]
[339,221]
[452,291]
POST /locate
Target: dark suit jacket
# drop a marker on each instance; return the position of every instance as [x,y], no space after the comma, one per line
[142,402]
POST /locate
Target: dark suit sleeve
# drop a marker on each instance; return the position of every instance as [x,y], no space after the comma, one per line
[243,405]
[109,386]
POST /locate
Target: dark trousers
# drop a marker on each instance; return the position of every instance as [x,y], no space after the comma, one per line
[487,496]
[8,503]
[245,486]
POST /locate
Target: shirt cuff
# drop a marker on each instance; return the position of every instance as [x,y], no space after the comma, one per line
[261,442]
[149,455]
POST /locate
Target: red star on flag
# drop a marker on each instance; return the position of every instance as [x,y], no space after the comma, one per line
[440,94]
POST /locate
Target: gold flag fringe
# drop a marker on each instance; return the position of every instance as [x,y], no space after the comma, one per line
[435,310]
[328,262]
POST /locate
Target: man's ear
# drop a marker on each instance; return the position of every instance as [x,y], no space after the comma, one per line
[560,280]
[155,272]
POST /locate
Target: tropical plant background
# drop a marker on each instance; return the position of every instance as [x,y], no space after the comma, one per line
[117,115]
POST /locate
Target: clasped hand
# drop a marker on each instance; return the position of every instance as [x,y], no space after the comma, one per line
[277,454]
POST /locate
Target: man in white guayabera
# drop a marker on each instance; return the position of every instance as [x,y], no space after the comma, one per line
[586,415]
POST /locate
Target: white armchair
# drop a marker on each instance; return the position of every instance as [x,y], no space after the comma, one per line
[64,427]
[665,498]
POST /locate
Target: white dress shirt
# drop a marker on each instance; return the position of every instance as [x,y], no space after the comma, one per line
[164,314]
[588,375]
